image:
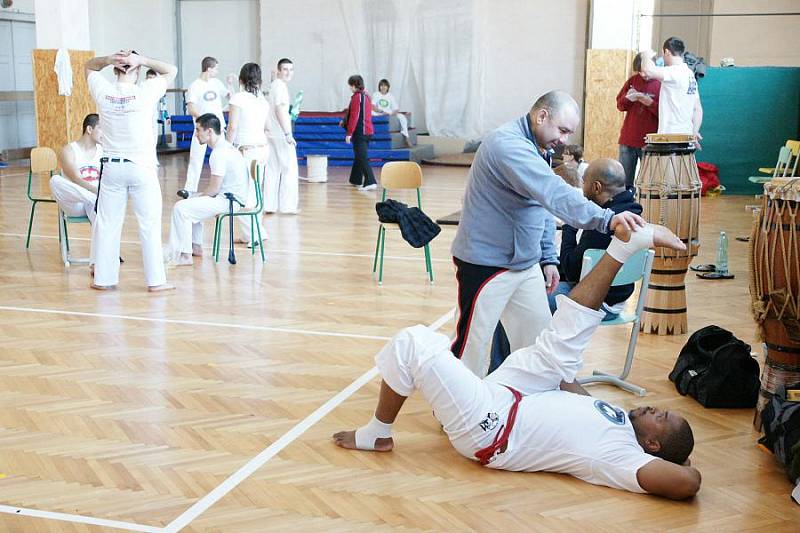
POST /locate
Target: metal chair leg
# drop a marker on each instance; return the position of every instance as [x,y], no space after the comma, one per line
[30,225]
[377,246]
[260,244]
[383,249]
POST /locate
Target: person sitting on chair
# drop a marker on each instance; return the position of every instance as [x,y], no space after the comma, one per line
[75,189]
[604,184]
[229,174]
[519,418]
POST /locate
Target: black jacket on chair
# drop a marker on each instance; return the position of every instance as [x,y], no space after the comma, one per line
[415,226]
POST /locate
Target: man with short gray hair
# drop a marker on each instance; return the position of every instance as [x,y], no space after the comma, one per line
[504,253]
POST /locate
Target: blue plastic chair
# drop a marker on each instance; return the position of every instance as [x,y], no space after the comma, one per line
[636,268]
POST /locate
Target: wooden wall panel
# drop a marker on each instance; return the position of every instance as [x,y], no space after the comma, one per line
[606,72]
[59,118]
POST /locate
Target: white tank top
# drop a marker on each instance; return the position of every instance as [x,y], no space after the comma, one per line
[87,163]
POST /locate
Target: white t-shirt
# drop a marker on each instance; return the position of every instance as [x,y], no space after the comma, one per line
[677,99]
[227,161]
[558,431]
[207,97]
[385,102]
[253,114]
[278,95]
[126,116]
[87,163]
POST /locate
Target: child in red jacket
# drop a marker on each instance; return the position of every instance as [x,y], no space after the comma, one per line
[359,132]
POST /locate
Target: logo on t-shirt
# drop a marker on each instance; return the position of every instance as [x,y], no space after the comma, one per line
[89,173]
[383,102]
[613,414]
[490,422]
[210,96]
[692,86]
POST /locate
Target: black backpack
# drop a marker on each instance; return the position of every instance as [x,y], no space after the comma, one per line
[781,421]
[716,369]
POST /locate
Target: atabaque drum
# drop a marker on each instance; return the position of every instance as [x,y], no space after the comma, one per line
[668,187]
[775,285]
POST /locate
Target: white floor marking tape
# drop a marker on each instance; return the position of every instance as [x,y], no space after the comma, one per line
[268,249]
[79,519]
[192,322]
[259,460]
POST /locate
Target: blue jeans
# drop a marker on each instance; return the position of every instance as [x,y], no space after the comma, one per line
[564,287]
[629,156]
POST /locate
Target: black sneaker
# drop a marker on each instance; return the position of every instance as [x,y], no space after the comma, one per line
[183,193]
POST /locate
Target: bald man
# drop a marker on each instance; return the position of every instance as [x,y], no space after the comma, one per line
[604,183]
[505,257]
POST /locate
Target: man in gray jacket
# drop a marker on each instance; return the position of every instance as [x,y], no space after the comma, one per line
[504,250]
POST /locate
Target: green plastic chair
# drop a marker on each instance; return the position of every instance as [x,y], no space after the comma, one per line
[43,159]
[399,175]
[253,213]
[636,268]
[782,168]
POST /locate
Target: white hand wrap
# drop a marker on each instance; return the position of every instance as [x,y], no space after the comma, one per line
[640,239]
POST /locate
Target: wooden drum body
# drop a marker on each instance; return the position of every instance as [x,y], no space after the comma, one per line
[668,187]
[775,285]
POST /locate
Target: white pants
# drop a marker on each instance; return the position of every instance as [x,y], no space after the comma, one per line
[197,155]
[281,192]
[518,298]
[419,359]
[403,120]
[73,199]
[120,180]
[187,222]
[260,154]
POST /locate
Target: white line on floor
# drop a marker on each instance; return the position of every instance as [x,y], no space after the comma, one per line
[268,249]
[259,460]
[192,322]
[79,519]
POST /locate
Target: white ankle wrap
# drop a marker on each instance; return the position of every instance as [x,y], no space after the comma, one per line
[640,239]
[366,435]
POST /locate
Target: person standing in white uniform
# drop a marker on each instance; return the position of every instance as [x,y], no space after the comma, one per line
[75,189]
[385,104]
[520,419]
[205,95]
[281,180]
[679,107]
[129,164]
[247,130]
[228,175]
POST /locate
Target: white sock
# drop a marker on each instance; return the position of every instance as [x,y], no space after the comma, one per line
[640,239]
[366,435]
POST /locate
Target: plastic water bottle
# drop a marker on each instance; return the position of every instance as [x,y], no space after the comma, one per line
[722,254]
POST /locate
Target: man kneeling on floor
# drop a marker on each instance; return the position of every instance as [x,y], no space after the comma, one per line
[229,174]
[519,419]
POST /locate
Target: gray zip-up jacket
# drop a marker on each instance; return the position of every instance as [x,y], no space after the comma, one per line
[511,191]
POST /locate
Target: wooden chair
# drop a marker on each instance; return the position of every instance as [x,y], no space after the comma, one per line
[252,212]
[636,268]
[43,159]
[399,175]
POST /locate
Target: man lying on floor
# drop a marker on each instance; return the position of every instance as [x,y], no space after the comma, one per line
[519,419]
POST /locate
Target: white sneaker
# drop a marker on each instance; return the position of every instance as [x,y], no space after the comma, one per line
[368,187]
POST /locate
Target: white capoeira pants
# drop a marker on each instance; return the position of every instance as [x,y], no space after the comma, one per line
[281,181]
[187,222]
[419,359]
[197,155]
[518,298]
[261,154]
[140,182]
[73,200]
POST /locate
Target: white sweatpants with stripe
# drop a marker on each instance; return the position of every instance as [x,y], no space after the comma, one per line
[518,298]
[74,200]
[119,181]
[419,359]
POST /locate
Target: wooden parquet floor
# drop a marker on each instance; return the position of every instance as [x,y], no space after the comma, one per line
[132,408]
